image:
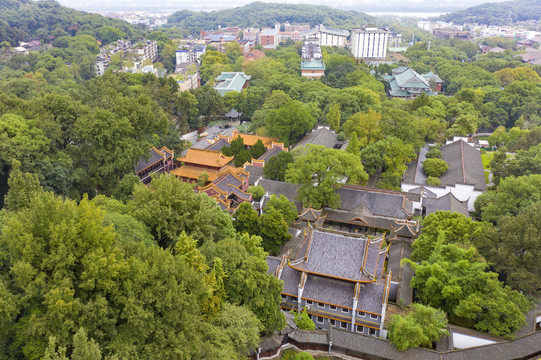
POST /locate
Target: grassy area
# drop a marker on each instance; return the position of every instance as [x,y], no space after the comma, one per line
[487,158]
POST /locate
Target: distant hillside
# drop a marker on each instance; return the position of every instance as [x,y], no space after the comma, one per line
[23,19]
[497,13]
[259,14]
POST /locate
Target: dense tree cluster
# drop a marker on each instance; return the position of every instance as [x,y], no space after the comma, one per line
[451,275]
[70,283]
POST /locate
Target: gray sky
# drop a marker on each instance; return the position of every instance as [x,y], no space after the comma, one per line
[359,5]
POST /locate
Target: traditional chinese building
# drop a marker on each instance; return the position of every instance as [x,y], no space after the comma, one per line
[199,161]
[159,161]
[338,278]
[223,182]
[229,189]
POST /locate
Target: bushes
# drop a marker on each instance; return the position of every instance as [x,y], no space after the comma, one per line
[303,321]
[433,153]
[433,181]
[435,167]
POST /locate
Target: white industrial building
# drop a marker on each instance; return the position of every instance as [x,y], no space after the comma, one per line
[369,43]
[328,36]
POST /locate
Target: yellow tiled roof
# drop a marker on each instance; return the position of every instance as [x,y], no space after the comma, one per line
[250,139]
[205,157]
[193,172]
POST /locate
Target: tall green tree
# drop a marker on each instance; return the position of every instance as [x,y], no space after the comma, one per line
[453,280]
[275,168]
[333,117]
[321,171]
[169,206]
[283,206]
[444,227]
[421,327]
[273,231]
[290,122]
[510,198]
[246,219]
[247,282]
[513,248]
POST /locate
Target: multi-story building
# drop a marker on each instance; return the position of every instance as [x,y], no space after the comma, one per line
[293,35]
[150,51]
[190,52]
[147,50]
[269,38]
[369,42]
[251,34]
[300,28]
[395,39]
[159,161]
[338,278]
[101,65]
[312,65]
[328,36]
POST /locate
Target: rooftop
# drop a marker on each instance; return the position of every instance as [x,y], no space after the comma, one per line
[465,165]
[312,65]
[206,158]
[337,255]
[322,136]
[250,139]
[156,155]
[231,81]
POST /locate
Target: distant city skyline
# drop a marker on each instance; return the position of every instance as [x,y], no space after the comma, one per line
[393,6]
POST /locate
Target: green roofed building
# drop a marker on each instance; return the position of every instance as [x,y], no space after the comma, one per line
[313,68]
[405,82]
[231,81]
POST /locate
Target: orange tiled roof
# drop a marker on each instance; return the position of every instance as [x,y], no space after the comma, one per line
[250,139]
[193,172]
[205,157]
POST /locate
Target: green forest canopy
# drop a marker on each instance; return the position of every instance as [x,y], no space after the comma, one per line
[259,14]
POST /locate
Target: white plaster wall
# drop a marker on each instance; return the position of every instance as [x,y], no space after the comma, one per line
[463,341]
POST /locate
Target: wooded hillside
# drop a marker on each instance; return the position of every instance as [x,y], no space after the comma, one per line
[21,20]
[497,13]
[259,14]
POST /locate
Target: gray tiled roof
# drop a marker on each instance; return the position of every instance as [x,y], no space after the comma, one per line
[379,202]
[332,291]
[323,136]
[371,264]
[465,165]
[255,173]
[446,203]
[371,297]
[381,262]
[272,262]
[270,153]
[219,145]
[291,279]
[335,255]
[155,156]
[280,188]
[339,255]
